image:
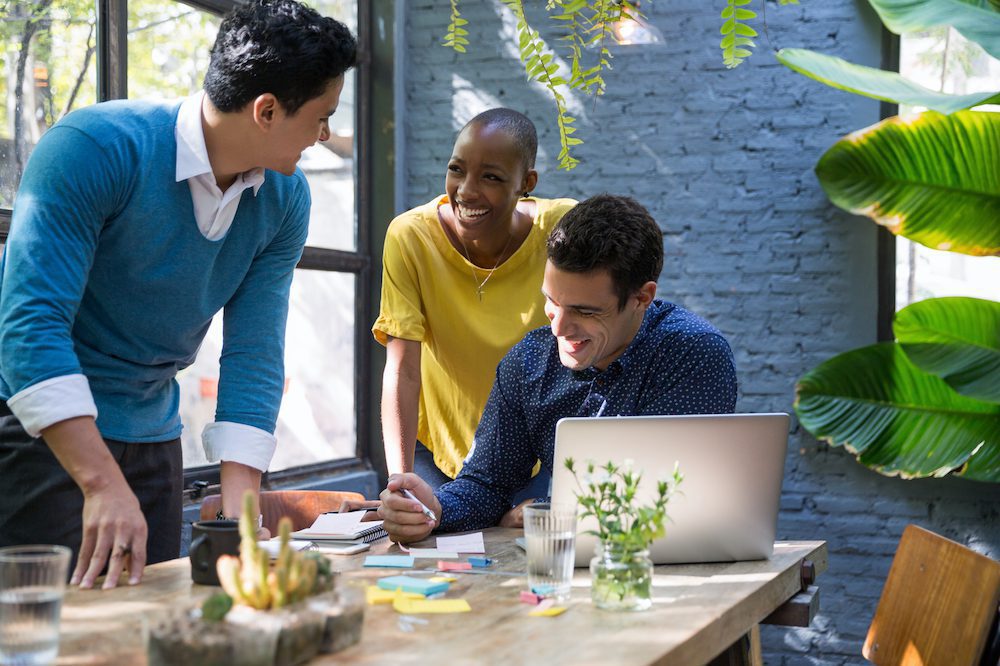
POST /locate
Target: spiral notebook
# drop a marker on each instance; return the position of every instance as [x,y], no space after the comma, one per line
[343,528]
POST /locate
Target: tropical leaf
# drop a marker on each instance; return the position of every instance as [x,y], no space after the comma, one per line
[957,339]
[899,420]
[934,179]
[877,83]
[976,20]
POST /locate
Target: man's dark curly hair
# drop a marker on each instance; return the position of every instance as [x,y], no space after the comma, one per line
[280,47]
[613,233]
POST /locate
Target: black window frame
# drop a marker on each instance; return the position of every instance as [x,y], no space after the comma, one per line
[885,240]
[373,159]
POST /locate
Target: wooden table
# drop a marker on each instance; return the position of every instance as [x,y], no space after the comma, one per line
[698,610]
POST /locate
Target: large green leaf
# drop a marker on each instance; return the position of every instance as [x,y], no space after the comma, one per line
[877,83]
[896,419]
[977,20]
[934,179]
[957,339]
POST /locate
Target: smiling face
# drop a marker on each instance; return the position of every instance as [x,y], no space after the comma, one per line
[289,135]
[486,176]
[590,328]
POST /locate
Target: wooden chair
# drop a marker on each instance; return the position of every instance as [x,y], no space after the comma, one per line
[939,604]
[302,506]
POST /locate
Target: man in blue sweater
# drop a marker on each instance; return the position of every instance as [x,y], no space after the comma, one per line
[134,224]
[612,349]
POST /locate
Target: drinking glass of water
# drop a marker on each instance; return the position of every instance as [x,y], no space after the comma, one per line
[550,538]
[32,582]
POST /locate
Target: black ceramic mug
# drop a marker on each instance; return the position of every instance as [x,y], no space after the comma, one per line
[209,540]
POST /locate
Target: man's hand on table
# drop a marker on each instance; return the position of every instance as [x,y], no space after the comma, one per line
[515,517]
[403,518]
[114,532]
[358,505]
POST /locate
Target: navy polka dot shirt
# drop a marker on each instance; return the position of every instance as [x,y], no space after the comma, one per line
[677,363]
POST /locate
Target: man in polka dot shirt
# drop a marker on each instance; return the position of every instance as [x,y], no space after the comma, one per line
[612,349]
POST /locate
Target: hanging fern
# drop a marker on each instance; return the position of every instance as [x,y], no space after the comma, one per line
[455,37]
[586,27]
[737,35]
[540,66]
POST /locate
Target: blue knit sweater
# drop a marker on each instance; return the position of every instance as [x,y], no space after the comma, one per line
[106,273]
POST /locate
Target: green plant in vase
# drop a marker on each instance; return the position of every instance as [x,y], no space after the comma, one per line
[621,571]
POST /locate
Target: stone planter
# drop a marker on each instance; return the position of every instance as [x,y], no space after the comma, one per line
[246,637]
[345,616]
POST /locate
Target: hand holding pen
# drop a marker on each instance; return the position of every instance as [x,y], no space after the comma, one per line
[406,517]
[423,507]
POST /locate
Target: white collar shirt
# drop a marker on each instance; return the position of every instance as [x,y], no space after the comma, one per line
[214,210]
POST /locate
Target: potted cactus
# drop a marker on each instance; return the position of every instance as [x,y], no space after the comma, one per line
[268,613]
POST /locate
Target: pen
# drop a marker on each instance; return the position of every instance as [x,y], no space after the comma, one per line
[427,512]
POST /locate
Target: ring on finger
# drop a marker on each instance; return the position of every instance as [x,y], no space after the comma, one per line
[123,550]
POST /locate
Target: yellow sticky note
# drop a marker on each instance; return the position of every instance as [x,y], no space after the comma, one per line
[403,605]
[376,595]
[548,612]
[444,579]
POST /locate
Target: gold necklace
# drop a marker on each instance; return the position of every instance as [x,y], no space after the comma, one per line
[472,267]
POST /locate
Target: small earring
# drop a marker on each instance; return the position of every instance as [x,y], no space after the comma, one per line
[525,195]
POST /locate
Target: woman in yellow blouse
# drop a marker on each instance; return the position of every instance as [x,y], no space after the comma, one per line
[461,284]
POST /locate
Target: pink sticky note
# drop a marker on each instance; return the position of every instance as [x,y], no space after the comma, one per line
[453,566]
[530,598]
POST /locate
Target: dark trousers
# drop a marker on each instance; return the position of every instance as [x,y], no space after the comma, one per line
[40,502]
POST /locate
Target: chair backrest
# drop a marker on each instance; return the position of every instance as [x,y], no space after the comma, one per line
[301,506]
[938,605]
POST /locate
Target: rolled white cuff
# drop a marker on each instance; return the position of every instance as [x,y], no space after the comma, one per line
[238,442]
[51,401]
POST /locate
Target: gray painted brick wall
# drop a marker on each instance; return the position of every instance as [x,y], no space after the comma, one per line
[724,161]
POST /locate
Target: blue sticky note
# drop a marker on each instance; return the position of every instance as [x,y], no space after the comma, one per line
[410,584]
[480,561]
[397,561]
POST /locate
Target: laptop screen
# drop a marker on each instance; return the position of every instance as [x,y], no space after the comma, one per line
[725,510]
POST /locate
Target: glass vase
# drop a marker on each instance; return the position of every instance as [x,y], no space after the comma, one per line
[621,579]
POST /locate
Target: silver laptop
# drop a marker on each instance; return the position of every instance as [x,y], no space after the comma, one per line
[727,507]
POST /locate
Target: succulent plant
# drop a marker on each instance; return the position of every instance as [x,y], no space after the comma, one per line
[214,608]
[250,579]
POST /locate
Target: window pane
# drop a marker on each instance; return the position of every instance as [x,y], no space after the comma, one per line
[329,166]
[944,60]
[923,273]
[316,421]
[168,45]
[317,413]
[55,73]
